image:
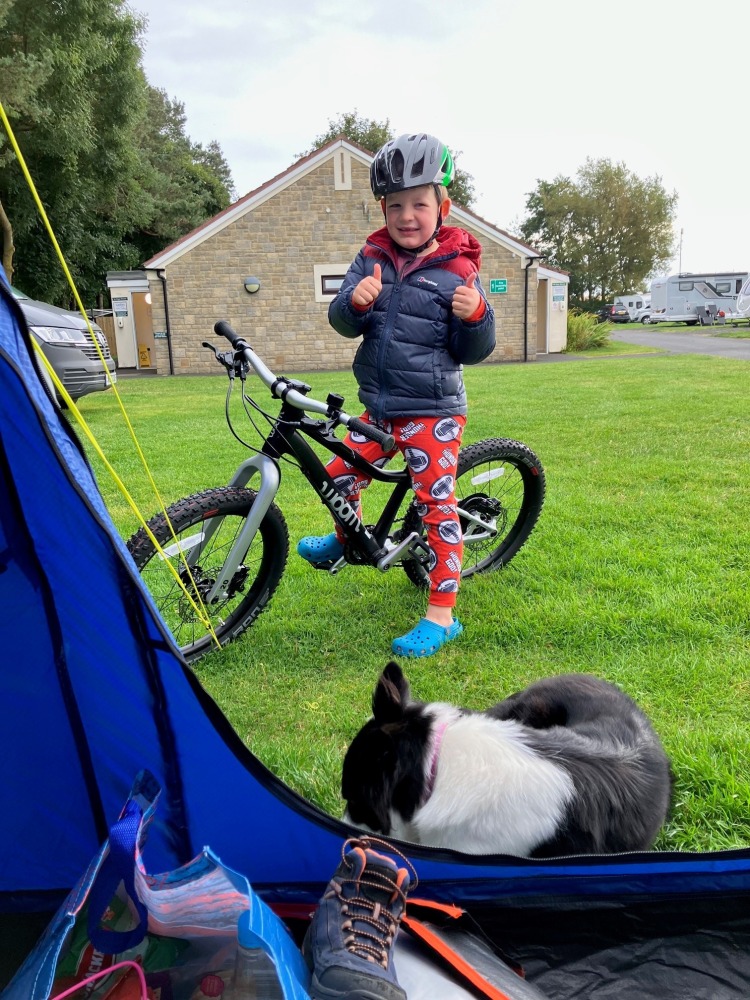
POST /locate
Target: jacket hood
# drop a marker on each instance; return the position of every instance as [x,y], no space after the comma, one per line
[451,240]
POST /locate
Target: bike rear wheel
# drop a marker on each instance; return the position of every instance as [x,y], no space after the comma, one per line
[500,487]
[246,594]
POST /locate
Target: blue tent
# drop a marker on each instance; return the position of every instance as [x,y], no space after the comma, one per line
[94,690]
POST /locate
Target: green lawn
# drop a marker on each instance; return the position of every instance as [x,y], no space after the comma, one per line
[637,571]
[612,347]
[733,332]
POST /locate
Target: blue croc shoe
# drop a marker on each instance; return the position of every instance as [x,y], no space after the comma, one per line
[320,548]
[426,638]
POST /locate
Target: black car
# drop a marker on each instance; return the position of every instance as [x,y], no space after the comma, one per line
[65,339]
[613,314]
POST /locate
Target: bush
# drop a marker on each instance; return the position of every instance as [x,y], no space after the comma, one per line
[585,332]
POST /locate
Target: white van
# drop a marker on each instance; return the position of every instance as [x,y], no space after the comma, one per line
[638,304]
[689,298]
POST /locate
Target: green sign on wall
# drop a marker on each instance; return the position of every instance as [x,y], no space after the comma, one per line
[498,286]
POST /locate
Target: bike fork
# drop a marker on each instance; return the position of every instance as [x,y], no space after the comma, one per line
[270,479]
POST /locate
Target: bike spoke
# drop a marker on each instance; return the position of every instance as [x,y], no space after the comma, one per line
[212,520]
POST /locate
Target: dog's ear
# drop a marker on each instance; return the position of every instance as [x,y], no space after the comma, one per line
[391,695]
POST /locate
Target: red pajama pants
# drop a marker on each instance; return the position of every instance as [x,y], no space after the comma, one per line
[430,447]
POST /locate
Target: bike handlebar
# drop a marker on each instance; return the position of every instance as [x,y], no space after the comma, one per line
[280,388]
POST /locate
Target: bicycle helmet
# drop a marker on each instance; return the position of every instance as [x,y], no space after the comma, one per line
[410,161]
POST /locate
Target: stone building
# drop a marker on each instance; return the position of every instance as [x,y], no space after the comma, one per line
[295,237]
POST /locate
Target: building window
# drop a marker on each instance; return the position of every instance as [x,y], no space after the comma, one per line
[327,280]
[330,284]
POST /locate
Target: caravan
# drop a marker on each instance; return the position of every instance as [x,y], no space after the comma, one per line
[638,304]
[689,298]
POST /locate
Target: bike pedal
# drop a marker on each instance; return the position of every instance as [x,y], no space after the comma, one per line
[331,566]
[420,552]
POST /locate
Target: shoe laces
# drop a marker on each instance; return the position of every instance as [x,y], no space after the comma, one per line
[371,924]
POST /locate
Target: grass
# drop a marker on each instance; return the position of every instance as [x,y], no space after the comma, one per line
[613,347]
[636,572]
[735,333]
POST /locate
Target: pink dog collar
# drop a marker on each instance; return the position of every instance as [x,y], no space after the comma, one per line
[437,740]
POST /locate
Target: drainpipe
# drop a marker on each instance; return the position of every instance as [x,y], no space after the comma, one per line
[526,309]
[163,278]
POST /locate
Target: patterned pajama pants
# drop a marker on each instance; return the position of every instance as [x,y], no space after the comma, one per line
[430,447]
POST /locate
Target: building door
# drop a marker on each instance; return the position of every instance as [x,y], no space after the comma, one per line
[124,332]
[144,329]
[542,315]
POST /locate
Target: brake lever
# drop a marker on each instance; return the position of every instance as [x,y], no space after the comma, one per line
[233,361]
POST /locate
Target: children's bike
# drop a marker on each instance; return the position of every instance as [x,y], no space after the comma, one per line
[230,545]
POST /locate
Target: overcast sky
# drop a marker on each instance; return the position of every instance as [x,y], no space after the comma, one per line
[525,89]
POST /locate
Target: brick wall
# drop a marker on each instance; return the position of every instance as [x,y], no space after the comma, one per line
[280,241]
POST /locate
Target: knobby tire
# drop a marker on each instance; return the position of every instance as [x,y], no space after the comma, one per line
[511,498]
[259,575]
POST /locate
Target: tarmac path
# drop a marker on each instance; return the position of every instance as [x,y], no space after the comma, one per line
[688,342]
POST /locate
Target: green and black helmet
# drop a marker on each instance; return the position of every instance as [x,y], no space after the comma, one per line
[410,161]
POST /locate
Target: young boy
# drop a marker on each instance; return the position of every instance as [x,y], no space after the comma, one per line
[413,295]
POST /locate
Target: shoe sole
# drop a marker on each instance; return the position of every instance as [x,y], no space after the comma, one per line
[318,992]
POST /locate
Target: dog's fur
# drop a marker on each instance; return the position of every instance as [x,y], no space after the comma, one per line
[570,765]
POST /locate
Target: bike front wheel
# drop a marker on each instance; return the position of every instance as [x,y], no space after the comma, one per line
[246,593]
[500,489]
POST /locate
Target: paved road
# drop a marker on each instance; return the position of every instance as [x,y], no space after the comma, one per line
[688,343]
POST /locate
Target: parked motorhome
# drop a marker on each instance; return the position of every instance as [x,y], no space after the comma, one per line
[690,298]
[638,304]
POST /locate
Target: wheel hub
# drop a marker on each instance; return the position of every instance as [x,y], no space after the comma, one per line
[199,585]
[490,512]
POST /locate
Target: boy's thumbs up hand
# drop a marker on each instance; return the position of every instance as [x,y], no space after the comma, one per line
[368,289]
[466,298]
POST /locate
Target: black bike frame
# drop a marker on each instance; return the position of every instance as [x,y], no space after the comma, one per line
[286,438]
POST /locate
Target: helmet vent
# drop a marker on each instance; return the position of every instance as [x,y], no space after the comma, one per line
[417,169]
[397,166]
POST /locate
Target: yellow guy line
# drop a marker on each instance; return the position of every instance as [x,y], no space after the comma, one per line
[201,612]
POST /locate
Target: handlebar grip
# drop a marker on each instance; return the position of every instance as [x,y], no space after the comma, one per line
[225,330]
[385,440]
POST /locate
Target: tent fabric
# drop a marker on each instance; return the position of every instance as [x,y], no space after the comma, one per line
[94,690]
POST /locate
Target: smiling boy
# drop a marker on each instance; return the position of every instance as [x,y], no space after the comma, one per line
[413,295]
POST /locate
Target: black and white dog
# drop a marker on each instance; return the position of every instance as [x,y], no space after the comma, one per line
[570,765]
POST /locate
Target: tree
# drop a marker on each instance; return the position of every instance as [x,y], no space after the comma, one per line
[74,90]
[609,228]
[371,135]
[462,189]
[73,80]
[366,132]
[180,183]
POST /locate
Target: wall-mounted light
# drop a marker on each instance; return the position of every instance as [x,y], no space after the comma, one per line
[252,285]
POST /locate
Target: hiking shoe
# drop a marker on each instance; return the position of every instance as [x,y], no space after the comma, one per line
[320,548]
[348,946]
[426,638]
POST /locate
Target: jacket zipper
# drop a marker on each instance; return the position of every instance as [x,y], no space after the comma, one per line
[382,346]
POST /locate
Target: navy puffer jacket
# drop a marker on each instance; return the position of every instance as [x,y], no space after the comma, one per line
[410,360]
